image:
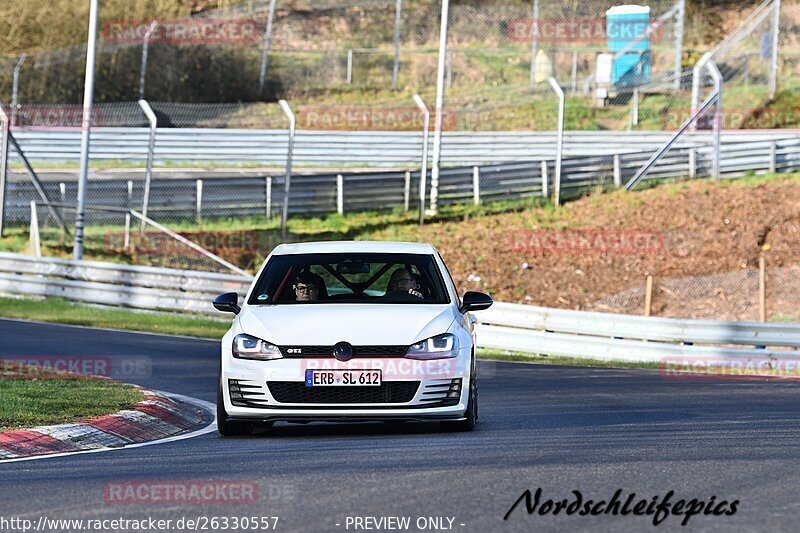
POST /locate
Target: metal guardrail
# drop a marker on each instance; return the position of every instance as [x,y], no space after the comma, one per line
[516,327]
[607,336]
[158,289]
[347,149]
[239,194]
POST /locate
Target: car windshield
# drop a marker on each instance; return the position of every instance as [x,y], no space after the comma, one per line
[350,278]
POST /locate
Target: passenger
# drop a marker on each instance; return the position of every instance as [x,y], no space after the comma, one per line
[402,282]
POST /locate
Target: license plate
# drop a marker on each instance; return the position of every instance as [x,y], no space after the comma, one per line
[343,378]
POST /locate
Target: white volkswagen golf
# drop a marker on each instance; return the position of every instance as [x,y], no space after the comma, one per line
[342,331]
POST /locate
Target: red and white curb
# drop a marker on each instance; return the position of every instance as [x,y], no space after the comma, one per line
[160,417]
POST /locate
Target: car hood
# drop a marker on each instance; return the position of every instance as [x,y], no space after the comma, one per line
[358,324]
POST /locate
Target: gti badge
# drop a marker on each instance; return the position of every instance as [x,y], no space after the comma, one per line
[343,351]
[294,350]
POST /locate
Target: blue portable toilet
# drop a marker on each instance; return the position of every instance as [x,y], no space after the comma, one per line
[624,24]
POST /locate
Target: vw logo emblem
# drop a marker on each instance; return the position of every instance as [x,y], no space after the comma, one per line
[343,351]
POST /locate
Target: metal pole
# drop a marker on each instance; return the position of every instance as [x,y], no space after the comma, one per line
[534,44]
[349,66]
[679,16]
[398,15]
[437,128]
[287,182]
[635,108]
[423,170]
[574,87]
[86,124]
[151,146]
[5,128]
[145,47]
[559,138]
[697,71]
[715,73]
[773,64]
[262,72]
[15,87]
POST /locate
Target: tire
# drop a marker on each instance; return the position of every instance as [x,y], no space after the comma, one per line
[229,428]
[471,414]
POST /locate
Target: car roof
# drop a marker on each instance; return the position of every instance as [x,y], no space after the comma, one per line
[354,247]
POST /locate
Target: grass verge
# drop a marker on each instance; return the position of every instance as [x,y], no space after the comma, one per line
[34,397]
[503,355]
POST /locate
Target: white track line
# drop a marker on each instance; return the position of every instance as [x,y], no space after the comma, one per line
[208,406]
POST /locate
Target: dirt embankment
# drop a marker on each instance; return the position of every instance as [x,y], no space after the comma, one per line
[685,230]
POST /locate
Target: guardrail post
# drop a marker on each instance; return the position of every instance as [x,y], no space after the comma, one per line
[406,189]
[617,171]
[5,131]
[151,146]
[692,162]
[262,71]
[288,179]
[559,138]
[340,194]
[268,194]
[34,235]
[199,204]
[145,47]
[423,169]
[773,157]
[545,189]
[476,185]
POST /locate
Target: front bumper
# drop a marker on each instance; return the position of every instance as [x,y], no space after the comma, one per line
[411,390]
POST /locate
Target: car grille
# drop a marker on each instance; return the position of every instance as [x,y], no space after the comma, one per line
[443,393]
[298,392]
[373,350]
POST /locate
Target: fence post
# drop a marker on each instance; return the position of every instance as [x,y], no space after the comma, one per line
[127,215]
[635,107]
[199,204]
[349,66]
[715,73]
[423,170]
[692,162]
[534,44]
[151,146]
[545,188]
[340,194]
[476,185]
[34,235]
[145,48]
[5,131]
[773,63]
[268,193]
[398,14]
[437,119]
[559,138]
[15,88]
[574,86]
[288,179]
[762,288]
[678,68]
[262,71]
[406,190]
[617,171]
[773,157]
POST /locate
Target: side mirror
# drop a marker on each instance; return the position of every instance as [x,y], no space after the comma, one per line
[475,301]
[227,303]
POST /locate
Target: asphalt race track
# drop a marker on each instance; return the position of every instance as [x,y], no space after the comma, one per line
[559,428]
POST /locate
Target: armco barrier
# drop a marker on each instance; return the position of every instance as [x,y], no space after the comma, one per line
[515,327]
[608,336]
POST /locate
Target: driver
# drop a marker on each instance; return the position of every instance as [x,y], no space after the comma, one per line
[403,282]
[306,287]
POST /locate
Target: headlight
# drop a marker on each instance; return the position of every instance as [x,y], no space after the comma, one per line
[249,347]
[438,347]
